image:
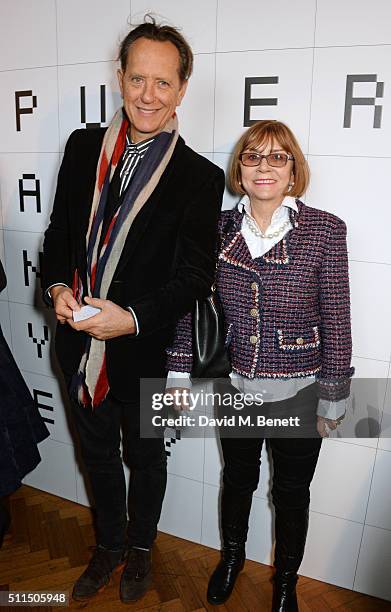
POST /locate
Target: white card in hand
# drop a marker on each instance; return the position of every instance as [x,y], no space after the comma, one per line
[85,312]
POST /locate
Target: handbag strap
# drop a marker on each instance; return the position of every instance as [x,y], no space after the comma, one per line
[224,232]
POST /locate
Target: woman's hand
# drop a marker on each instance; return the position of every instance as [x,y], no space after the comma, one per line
[180,397]
[323,425]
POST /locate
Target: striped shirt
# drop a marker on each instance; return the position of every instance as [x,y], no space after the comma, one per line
[133,154]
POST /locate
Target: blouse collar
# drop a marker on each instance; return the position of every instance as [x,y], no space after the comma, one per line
[288,202]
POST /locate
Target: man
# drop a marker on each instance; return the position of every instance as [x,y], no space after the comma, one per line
[132,233]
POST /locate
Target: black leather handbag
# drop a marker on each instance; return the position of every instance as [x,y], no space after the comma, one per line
[210,355]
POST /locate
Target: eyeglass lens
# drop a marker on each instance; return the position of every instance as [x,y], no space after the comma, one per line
[273,159]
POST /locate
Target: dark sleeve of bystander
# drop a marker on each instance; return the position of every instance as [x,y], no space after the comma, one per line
[3,278]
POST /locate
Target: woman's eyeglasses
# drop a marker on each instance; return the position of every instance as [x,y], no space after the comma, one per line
[276,160]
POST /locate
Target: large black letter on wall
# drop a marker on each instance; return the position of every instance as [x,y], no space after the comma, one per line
[36,393]
[249,101]
[29,264]
[25,110]
[36,193]
[102,107]
[351,101]
[40,343]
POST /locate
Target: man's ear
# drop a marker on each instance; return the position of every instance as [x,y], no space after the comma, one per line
[182,91]
[120,76]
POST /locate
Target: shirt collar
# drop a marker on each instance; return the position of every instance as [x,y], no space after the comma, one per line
[137,145]
[288,202]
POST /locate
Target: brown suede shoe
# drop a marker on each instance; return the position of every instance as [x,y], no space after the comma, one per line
[97,573]
[136,576]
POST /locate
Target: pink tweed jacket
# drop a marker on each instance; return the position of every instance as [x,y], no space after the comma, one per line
[287,313]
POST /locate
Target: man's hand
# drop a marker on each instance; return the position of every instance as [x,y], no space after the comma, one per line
[111,322]
[64,303]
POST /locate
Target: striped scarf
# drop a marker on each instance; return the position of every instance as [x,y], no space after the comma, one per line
[91,381]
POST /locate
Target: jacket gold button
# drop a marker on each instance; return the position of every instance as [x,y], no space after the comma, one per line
[254,286]
[253,339]
[299,340]
[254,312]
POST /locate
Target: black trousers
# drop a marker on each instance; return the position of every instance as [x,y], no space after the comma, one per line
[294,458]
[100,435]
[294,463]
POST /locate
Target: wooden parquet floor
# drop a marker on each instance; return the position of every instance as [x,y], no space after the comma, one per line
[51,540]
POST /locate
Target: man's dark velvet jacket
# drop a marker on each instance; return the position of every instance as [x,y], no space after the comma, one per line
[167,261]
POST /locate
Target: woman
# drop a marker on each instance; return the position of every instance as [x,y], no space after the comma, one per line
[21,427]
[282,278]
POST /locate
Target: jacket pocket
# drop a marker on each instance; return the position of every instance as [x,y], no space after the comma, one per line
[296,341]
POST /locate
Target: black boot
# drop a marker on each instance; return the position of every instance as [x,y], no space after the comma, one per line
[284,593]
[235,511]
[5,521]
[291,531]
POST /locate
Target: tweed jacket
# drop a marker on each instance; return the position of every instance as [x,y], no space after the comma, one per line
[287,313]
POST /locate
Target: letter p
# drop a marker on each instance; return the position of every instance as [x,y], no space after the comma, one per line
[23,110]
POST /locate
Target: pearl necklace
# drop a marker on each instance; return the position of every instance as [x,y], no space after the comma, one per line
[251,224]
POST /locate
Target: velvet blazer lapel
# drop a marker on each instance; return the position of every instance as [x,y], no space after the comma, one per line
[159,197]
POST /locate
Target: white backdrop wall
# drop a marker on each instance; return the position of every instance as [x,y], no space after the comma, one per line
[322,66]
